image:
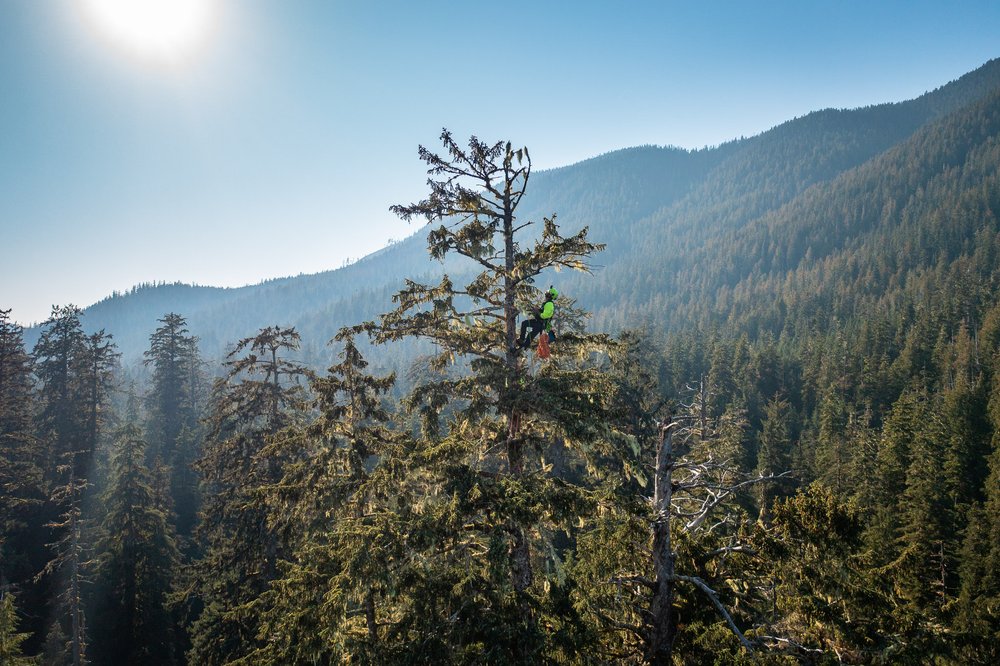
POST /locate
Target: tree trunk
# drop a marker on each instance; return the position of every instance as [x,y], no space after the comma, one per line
[76,601]
[370,616]
[661,629]
[520,552]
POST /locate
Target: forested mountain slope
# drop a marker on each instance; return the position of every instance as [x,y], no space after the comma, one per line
[797,461]
[691,236]
[862,244]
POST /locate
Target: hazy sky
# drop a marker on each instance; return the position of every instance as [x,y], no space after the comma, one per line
[275,144]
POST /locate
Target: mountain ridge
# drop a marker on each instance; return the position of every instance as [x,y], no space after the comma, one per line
[681,202]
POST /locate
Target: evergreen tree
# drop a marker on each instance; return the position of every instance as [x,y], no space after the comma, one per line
[20,474]
[10,639]
[488,491]
[644,563]
[912,536]
[61,364]
[95,369]
[978,617]
[261,395]
[67,640]
[825,602]
[773,449]
[61,417]
[338,505]
[136,555]
[174,408]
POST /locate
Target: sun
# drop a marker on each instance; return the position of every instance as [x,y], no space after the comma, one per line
[164,30]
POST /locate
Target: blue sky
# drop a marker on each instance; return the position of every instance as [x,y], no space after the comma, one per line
[278,145]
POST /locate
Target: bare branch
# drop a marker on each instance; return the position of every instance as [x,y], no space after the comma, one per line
[635,580]
[741,548]
[789,641]
[714,597]
[726,492]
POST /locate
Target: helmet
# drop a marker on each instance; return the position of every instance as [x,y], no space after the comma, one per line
[552,292]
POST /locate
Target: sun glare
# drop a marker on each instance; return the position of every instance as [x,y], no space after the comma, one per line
[165,30]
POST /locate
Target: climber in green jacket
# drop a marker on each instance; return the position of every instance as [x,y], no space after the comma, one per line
[542,319]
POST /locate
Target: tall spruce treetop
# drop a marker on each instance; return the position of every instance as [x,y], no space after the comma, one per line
[174,403]
[96,369]
[15,379]
[337,508]
[20,476]
[261,394]
[56,354]
[172,353]
[504,420]
[475,194]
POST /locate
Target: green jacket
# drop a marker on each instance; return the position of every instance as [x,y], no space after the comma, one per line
[545,314]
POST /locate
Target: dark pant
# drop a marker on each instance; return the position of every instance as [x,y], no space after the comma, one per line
[536,325]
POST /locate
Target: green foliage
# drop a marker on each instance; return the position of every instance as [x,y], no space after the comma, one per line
[62,412]
[10,640]
[20,471]
[136,558]
[334,507]
[261,395]
[824,599]
[488,503]
[174,407]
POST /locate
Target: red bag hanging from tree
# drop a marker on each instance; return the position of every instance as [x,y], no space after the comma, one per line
[543,346]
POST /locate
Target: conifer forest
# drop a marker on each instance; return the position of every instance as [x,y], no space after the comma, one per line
[768,431]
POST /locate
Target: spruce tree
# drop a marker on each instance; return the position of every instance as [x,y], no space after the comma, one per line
[62,416]
[96,370]
[69,569]
[261,395]
[136,555]
[338,505]
[173,405]
[10,639]
[20,472]
[490,501]
[825,603]
[978,616]
[62,364]
[773,449]
[669,547]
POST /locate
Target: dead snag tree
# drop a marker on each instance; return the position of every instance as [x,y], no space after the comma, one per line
[650,565]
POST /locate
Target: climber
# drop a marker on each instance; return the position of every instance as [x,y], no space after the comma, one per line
[542,320]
